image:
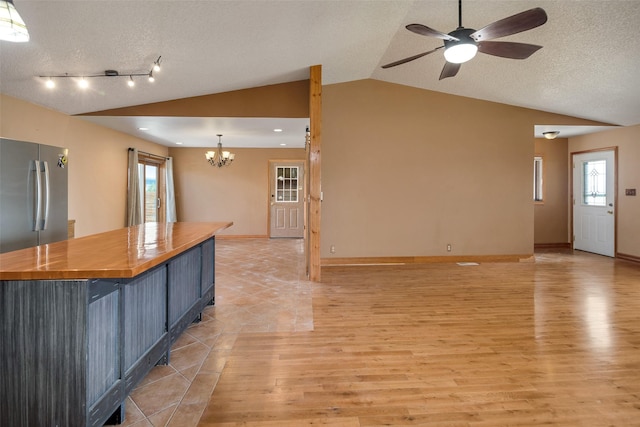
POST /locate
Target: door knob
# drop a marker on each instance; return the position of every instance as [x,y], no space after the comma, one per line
[610,212]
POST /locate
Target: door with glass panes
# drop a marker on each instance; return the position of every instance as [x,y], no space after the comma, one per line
[594,202]
[287,199]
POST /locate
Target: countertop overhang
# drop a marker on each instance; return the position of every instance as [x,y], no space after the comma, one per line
[121,253]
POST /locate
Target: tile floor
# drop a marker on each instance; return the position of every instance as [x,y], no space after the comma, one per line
[260,287]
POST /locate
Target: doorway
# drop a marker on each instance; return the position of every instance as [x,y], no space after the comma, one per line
[286,197]
[594,201]
[152,186]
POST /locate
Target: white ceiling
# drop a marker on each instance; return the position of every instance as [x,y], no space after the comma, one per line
[588,67]
[236,132]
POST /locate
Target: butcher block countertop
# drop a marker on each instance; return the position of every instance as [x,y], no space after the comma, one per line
[122,253]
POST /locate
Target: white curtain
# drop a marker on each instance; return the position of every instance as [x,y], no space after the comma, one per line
[170,198]
[134,193]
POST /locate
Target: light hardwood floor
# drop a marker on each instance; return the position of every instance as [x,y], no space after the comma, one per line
[550,342]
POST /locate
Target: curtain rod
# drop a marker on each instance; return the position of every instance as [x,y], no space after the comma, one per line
[149,154]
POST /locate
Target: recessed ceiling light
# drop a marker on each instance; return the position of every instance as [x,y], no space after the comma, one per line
[178,143]
[143,128]
[283,144]
[277,130]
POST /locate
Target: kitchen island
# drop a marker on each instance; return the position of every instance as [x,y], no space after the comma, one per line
[84,320]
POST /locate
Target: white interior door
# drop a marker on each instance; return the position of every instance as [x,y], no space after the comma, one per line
[593,202]
[287,201]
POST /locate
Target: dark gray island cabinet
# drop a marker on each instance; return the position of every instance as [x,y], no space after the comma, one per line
[72,348]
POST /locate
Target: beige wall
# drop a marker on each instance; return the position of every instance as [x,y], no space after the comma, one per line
[407,171]
[628,210]
[97,160]
[238,193]
[551,217]
[279,100]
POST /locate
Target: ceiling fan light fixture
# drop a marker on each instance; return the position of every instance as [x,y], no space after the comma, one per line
[460,53]
[12,26]
[551,134]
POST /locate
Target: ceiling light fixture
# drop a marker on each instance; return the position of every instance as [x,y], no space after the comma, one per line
[156,65]
[551,134]
[219,158]
[107,73]
[462,50]
[50,84]
[12,26]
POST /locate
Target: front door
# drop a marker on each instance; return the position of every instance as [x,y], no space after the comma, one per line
[594,202]
[287,201]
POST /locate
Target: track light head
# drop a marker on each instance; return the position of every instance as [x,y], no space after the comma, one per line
[156,64]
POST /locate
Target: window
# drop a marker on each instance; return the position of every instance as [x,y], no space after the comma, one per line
[287,183]
[537,178]
[594,173]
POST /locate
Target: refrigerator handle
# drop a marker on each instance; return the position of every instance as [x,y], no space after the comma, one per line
[47,192]
[38,201]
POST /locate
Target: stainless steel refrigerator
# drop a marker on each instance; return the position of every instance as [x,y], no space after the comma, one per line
[33,194]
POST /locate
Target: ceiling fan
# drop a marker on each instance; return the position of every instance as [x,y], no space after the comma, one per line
[462,44]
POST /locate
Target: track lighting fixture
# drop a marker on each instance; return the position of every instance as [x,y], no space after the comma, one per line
[84,83]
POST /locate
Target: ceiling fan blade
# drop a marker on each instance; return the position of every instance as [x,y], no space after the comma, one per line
[411,58]
[450,69]
[517,23]
[426,31]
[508,49]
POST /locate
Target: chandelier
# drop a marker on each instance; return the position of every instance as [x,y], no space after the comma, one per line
[219,158]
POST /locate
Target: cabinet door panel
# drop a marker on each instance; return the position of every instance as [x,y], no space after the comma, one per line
[103,360]
[184,284]
[145,314]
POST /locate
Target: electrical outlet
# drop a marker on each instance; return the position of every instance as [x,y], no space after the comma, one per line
[449,247]
[332,249]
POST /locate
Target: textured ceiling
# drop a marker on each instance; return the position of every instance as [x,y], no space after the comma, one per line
[588,67]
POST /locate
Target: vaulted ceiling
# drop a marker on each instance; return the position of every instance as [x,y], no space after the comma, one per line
[588,67]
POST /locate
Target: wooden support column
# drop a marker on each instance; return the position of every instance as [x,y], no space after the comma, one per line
[315,182]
